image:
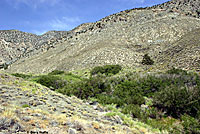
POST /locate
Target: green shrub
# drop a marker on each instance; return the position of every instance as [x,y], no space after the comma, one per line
[86,88]
[190,124]
[178,100]
[107,69]
[133,110]
[177,71]
[24,76]
[51,81]
[129,92]
[25,106]
[56,72]
[158,100]
[147,60]
[4,66]
[172,125]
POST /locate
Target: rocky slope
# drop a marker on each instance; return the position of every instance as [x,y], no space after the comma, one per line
[107,41]
[185,53]
[15,44]
[27,107]
[185,7]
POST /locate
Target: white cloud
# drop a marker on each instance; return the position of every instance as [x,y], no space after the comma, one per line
[32,3]
[58,24]
[132,1]
[61,24]
[65,23]
[39,32]
[71,20]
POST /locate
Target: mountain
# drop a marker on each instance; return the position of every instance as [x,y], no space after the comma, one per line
[122,38]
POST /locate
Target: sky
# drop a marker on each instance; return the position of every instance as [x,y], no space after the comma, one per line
[40,16]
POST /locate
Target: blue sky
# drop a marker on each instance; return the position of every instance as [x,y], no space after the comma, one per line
[40,16]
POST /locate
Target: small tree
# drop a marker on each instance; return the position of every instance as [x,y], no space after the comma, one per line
[147,60]
[4,66]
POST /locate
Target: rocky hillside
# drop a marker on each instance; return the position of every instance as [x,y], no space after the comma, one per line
[185,53]
[122,38]
[27,107]
[15,44]
[185,7]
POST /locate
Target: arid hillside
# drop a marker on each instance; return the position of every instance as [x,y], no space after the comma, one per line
[123,41]
[185,53]
[185,7]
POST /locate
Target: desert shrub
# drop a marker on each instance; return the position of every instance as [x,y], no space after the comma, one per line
[177,101]
[177,71]
[133,110]
[56,72]
[147,60]
[172,125]
[151,84]
[129,92]
[86,88]
[24,76]
[51,81]
[107,69]
[106,99]
[190,124]
[4,66]
[25,106]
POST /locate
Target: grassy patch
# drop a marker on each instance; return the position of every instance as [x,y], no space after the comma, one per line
[25,106]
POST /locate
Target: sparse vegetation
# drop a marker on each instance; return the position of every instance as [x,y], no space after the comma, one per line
[24,76]
[25,106]
[56,72]
[177,71]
